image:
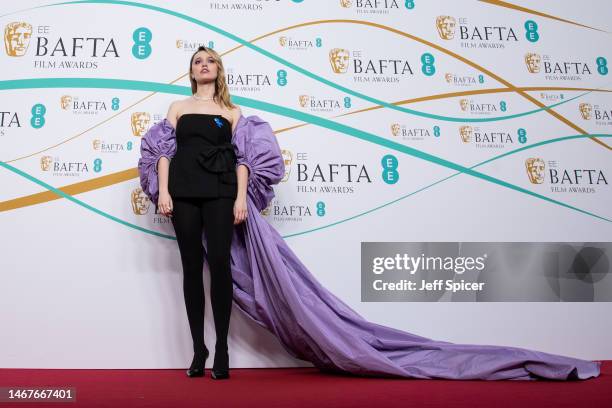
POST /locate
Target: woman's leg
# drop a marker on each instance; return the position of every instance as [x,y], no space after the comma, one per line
[218,219]
[187,222]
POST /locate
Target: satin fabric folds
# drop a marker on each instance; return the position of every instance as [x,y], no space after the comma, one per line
[274,288]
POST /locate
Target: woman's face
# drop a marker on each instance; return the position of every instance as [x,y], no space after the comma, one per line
[204,67]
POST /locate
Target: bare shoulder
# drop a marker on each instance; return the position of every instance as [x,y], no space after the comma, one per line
[235,112]
[235,115]
[174,110]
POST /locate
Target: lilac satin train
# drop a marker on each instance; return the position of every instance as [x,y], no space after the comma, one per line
[278,292]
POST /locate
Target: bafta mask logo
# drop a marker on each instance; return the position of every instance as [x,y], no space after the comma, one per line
[282,41]
[395,129]
[345,3]
[266,211]
[140,123]
[533,60]
[304,100]
[140,201]
[17,38]
[449,77]
[287,158]
[65,101]
[466,133]
[446,27]
[586,110]
[464,104]
[339,59]
[535,169]
[96,144]
[45,163]
[179,43]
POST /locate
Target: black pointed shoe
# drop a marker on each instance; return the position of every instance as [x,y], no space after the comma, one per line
[197,365]
[220,370]
[219,374]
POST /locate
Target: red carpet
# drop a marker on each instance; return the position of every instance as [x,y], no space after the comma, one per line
[302,387]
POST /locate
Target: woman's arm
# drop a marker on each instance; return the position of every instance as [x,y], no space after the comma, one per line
[163,164]
[242,171]
[242,174]
[240,205]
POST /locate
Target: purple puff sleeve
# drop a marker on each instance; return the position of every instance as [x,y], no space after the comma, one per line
[256,147]
[159,141]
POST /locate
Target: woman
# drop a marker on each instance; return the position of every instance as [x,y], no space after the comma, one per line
[277,291]
[202,192]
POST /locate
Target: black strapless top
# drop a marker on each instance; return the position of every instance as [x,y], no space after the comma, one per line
[205,162]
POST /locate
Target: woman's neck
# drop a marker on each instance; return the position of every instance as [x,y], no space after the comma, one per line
[205,91]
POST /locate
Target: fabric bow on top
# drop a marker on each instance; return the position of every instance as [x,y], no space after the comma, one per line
[220,159]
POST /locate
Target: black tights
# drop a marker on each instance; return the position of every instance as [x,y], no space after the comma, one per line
[216,217]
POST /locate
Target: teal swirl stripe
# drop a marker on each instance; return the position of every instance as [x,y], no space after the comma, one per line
[296,67]
[80,202]
[555,140]
[128,84]
[137,227]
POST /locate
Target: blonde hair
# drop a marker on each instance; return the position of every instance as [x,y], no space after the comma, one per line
[222,95]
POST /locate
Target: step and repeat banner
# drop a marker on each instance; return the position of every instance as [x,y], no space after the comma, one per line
[438,155]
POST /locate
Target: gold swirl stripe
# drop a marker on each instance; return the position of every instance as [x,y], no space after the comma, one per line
[71,189]
[537,13]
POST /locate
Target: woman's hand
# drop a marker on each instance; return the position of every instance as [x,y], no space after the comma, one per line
[164,203]
[240,210]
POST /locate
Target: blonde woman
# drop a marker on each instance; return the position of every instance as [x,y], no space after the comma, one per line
[202,192]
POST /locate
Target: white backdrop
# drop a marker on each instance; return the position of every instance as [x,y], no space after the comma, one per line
[92,278]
